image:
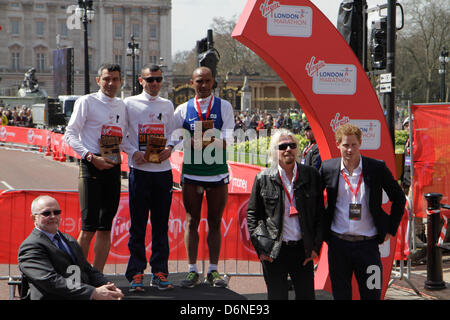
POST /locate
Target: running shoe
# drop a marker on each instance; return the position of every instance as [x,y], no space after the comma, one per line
[137,283]
[215,280]
[160,281]
[192,279]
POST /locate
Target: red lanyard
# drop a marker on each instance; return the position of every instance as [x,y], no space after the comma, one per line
[355,193]
[309,148]
[199,111]
[291,200]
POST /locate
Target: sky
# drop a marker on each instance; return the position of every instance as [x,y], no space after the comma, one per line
[192,18]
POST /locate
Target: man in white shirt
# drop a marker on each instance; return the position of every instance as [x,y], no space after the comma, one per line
[95,116]
[355,221]
[150,183]
[204,170]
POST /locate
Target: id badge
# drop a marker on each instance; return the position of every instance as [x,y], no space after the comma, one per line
[292,211]
[354,212]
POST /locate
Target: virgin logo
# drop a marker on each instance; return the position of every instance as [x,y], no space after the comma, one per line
[3,133]
[30,136]
[267,8]
[243,228]
[119,231]
[336,122]
[313,68]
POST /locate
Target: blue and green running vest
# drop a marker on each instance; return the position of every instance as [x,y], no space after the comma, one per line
[203,169]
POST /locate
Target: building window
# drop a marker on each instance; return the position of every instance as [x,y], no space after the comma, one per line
[91,63]
[153,31]
[15,61]
[152,59]
[40,28]
[118,59]
[136,30]
[63,31]
[15,27]
[40,62]
[118,30]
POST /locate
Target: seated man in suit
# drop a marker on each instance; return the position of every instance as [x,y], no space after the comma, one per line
[53,263]
[355,221]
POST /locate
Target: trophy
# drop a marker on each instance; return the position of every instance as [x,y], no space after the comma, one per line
[206,125]
[109,148]
[155,144]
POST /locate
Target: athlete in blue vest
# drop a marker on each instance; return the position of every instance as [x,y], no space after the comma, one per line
[204,170]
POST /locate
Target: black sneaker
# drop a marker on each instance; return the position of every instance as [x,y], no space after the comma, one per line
[160,281]
[215,280]
[192,279]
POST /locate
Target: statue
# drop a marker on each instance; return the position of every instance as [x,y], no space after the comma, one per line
[30,85]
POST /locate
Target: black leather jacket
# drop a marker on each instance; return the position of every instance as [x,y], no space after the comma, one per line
[266,210]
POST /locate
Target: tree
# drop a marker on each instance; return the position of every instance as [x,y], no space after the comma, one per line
[418,47]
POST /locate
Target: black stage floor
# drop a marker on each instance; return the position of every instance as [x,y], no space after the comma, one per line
[201,292]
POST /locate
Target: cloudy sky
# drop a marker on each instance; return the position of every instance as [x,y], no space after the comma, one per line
[192,18]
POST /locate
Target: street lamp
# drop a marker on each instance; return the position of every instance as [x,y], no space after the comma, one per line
[443,59]
[85,13]
[133,50]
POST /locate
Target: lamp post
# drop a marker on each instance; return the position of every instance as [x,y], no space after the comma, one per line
[133,50]
[86,14]
[443,59]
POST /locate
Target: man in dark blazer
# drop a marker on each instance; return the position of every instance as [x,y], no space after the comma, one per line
[311,154]
[52,263]
[355,223]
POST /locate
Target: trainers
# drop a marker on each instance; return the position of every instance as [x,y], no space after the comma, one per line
[192,279]
[136,283]
[215,279]
[160,281]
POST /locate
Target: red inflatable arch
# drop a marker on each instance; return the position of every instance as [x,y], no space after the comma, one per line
[299,42]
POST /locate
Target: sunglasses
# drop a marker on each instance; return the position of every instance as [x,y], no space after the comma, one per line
[151,79]
[284,146]
[49,212]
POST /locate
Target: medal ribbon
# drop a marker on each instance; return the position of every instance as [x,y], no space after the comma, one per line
[291,200]
[309,148]
[199,111]
[355,192]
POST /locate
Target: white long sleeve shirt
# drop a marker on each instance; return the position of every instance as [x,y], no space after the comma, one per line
[91,113]
[146,112]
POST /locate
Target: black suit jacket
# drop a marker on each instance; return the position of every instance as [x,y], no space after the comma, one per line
[46,269]
[377,178]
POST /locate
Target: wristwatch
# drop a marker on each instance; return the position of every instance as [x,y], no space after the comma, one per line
[89,157]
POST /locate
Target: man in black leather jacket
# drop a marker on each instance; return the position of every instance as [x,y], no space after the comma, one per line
[284,218]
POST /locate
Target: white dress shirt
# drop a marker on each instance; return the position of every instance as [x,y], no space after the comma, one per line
[342,224]
[291,225]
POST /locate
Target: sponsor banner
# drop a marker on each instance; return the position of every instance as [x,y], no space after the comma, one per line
[17,225]
[31,136]
[331,78]
[290,21]
[371,130]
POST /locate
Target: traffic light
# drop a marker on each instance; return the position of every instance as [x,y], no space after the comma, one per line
[207,55]
[378,42]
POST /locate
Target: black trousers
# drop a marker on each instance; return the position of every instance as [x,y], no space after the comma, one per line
[289,262]
[149,191]
[361,258]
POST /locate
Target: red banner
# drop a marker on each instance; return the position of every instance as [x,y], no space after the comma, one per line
[431,154]
[17,224]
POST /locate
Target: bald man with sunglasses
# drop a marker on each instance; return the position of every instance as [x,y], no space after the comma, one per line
[52,263]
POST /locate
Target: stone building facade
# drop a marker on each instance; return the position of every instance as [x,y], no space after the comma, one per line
[33,29]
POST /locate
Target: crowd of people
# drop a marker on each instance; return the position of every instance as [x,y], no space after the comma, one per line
[286,216]
[19,116]
[291,119]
